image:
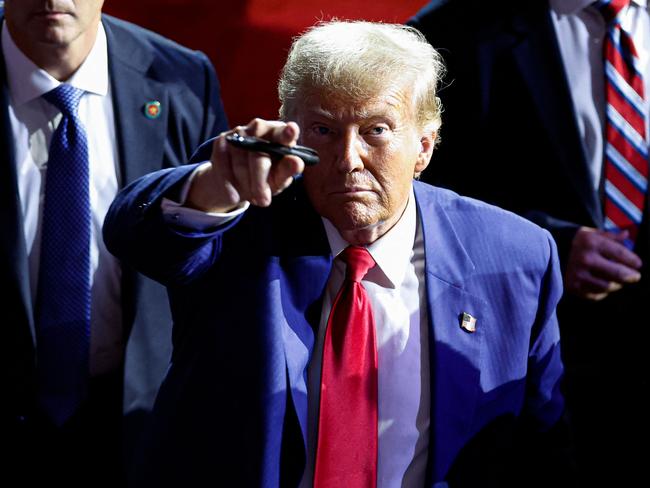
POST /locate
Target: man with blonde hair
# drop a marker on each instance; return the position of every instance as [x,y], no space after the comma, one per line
[342,325]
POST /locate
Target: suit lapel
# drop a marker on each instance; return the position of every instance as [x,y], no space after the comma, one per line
[455,354]
[537,55]
[140,139]
[302,289]
[305,263]
[13,250]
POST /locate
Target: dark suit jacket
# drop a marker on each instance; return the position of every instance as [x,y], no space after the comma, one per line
[143,66]
[246,300]
[510,137]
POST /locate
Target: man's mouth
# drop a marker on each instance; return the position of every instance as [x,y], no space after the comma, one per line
[51,14]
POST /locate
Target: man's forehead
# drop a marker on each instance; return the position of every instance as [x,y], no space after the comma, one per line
[391,104]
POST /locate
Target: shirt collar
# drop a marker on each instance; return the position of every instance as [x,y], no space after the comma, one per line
[27,81]
[392,251]
[569,7]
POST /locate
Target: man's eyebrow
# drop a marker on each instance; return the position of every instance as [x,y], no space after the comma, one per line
[361,114]
[320,112]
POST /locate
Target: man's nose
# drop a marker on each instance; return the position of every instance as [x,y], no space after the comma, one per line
[352,153]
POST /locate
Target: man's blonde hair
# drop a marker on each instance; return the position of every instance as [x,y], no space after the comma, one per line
[357,60]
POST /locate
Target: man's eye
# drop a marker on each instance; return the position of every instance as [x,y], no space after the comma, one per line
[321,130]
[377,131]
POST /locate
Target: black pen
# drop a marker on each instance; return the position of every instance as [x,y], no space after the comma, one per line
[307,154]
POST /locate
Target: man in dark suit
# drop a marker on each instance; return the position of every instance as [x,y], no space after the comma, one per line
[463,294]
[525,129]
[147,103]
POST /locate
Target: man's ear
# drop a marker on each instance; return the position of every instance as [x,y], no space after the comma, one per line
[427,143]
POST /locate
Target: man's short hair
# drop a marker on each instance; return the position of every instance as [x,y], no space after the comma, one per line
[357,60]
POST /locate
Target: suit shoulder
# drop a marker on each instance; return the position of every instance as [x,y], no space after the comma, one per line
[433,10]
[483,226]
[440,18]
[438,11]
[176,57]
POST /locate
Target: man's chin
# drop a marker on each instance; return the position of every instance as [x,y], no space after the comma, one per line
[354,217]
[53,39]
[59,33]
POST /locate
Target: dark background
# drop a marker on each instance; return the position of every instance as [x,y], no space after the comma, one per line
[247,40]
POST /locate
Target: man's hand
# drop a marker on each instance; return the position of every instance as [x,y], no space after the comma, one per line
[236,175]
[600,264]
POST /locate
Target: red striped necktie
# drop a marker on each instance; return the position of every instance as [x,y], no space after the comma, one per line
[346,455]
[626,144]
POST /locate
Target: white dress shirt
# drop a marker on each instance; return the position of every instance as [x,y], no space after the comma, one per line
[33,121]
[581,31]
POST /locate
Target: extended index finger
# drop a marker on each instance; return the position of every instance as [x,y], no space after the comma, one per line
[275,131]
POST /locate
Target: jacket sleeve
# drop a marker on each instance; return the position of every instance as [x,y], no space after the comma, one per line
[136,232]
[544,399]
[545,445]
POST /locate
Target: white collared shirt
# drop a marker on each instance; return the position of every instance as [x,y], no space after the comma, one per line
[581,31]
[33,121]
[397,292]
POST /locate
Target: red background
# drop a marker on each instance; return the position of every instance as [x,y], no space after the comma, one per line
[247,40]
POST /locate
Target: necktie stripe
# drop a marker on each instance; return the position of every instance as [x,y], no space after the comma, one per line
[621,221]
[621,202]
[631,227]
[623,165]
[626,68]
[627,189]
[631,95]
[627,141]
[628,50]
[609,224]
[610,8]
[625,109]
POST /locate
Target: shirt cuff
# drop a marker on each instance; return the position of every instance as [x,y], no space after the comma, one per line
[175,213]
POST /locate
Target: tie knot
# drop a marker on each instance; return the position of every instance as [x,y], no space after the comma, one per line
[358,261]
[66,98]
[610,9]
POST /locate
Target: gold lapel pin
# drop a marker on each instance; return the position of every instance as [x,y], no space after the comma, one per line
[467,322]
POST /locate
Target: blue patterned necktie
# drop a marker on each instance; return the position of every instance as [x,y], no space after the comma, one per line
[63,295]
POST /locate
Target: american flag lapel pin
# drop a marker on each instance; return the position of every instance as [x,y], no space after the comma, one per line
[467,322]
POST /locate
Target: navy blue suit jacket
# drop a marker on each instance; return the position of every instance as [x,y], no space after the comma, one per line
[143,66]
[246,300]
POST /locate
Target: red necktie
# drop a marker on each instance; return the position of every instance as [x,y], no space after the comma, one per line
[346,455]
[626,146]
